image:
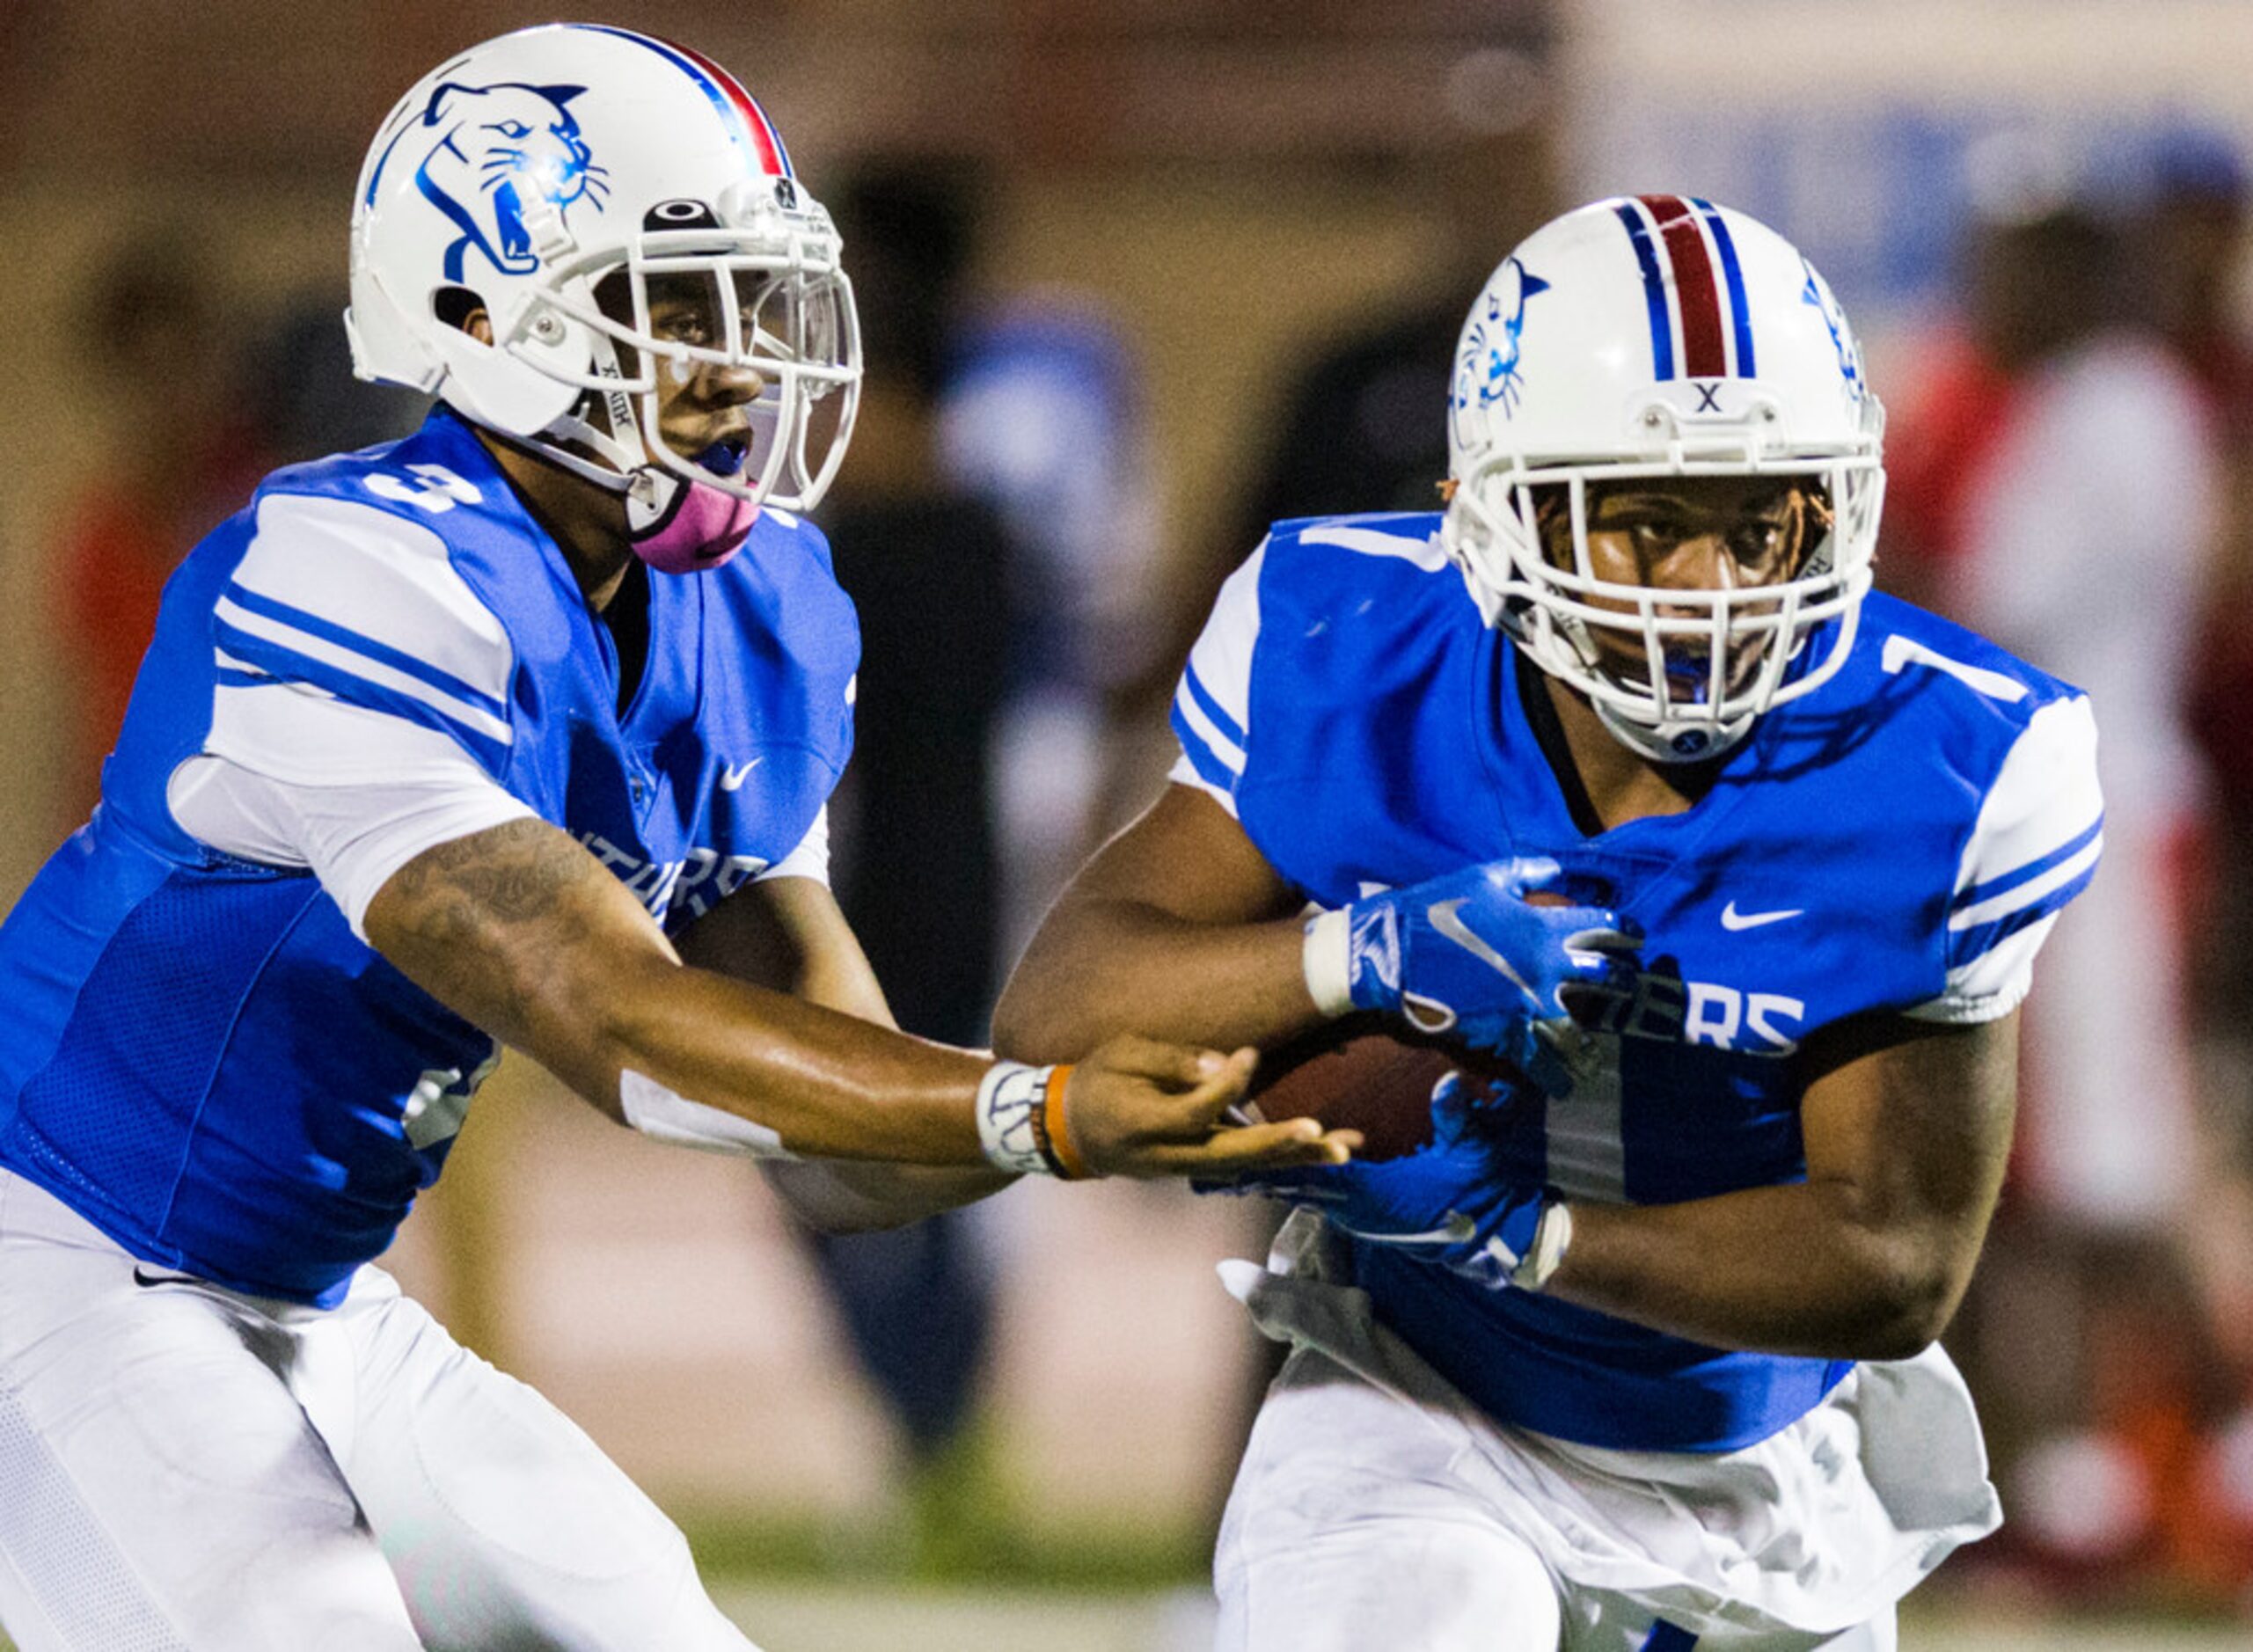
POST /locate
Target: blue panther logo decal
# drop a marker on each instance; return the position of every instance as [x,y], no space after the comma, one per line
[1487,376]
[1818,293]
[504,148]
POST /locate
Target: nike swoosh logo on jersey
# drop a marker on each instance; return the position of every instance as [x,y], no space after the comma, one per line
[1733,920]
[1446,917]
[734,774]
[143,1276]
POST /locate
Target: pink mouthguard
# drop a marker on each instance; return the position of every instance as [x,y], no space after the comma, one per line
[705,527]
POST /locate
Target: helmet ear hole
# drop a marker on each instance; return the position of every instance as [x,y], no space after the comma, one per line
[453,306]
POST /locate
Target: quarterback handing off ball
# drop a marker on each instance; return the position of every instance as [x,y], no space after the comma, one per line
[1365,1073]
[1356,1075]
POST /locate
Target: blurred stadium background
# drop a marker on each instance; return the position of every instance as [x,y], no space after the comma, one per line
[1018,1436]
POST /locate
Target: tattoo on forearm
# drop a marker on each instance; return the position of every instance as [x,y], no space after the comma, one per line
[480,908]
[522,872]
[513,874]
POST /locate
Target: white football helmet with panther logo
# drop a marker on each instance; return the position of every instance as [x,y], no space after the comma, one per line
[1652,337]
[521,174]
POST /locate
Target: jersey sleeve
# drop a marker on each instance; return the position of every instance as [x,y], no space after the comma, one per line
[352,836]
[2035,847]
[1212,713]
[810,859]
[337,602]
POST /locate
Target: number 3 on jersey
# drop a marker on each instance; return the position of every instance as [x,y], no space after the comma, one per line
[440,489]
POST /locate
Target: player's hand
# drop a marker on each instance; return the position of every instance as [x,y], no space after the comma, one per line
[1451,1203]
[1470,956]
[1137,1108]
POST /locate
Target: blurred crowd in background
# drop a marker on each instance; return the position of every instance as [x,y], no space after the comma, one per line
[2068,366]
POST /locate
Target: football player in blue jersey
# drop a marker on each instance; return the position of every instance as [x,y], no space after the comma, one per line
[1639,1351]
[424,755]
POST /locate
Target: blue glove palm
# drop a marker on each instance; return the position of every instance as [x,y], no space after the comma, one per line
[1449,1203]
[1468,955]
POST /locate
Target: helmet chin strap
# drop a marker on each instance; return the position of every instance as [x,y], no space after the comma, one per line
[1669,740]
[1696,742]
[675,524]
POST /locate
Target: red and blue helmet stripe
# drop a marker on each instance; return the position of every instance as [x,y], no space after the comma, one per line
[1690,270]
[746,122]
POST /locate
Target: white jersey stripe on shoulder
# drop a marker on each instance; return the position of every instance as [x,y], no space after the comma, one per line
[1213,701]
[1901,651]
[2044,797]
[380,576]
[236,599]
[1991,985]
[1184,773]
[1216,742]
[302,733]
[358,665]
[248,667]
[2030,892]
[1423,550]
[2034,847]
[2026,871]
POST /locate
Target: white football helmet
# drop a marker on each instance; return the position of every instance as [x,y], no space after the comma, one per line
[1662,336]
[526,171]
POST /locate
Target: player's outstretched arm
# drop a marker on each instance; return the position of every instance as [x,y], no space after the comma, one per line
[788,933]
[1907,1125]
[520,930]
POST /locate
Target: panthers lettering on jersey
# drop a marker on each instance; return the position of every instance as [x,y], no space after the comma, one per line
[1899,840]
[202,1058]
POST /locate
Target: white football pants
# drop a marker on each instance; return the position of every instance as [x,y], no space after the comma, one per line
[186,1469]
[1356,1527]
[1378,1510]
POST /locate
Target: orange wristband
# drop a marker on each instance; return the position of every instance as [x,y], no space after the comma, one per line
[1055,1133]
[1020,1121]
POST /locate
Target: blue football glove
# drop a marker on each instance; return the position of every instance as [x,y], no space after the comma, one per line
[1449,1203]
[1466,955]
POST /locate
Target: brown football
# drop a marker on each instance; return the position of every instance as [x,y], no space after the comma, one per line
[1354,1074]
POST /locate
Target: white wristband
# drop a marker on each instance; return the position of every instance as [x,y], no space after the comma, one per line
[1326,958]
[1551,1237]
[1012,1124]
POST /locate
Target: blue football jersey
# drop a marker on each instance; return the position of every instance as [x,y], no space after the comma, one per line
[1900,839]
[201,1057]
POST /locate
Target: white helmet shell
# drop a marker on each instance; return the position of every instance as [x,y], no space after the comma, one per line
[519,175]
[1662,336]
